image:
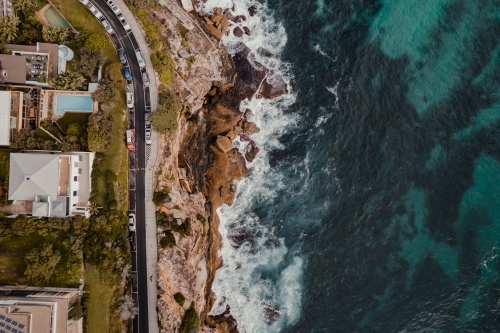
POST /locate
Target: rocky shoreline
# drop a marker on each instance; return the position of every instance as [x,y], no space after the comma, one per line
[199,167]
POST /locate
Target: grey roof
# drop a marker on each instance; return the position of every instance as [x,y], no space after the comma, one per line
[58,208]
[33,174]
[14,67]
[40,209]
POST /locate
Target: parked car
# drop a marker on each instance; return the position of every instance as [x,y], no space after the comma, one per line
[146,114]
[131,222]
[95,11]
[130,100]
[132,241]
[107,26]
[124,22]
[113,7]
[85,2]
[126,72]
[145,79]
[148,136]
[140,60]
[122,56]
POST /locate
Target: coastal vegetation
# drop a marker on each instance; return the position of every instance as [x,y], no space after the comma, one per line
[190,321]
[179,298]
[164,118]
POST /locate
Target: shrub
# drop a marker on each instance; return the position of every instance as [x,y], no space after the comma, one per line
[184,229]
[168,240]
[68,81]
[164,118]
[190,322]
[94,42]
[160,197]
[104,92]
[41,263]
[179,298]
[57,35]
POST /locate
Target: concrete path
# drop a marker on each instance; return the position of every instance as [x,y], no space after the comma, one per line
[151,244]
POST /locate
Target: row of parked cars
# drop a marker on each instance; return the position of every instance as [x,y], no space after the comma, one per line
[97,13]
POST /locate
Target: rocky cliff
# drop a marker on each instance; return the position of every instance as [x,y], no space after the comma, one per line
[198,167]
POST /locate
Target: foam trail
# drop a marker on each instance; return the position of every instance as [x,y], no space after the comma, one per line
[261,280]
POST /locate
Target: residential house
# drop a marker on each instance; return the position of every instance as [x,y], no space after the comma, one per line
[57,184]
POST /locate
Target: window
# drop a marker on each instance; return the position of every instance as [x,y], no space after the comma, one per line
[75,178]
[75,193]
[76,164]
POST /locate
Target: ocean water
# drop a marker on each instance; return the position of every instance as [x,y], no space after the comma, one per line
[374,205]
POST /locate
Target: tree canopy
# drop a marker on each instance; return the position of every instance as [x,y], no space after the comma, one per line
[68,81]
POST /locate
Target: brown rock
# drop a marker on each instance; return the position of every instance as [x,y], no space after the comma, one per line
[238,32]
[253,10]
[250,128]
[244,137]
[248,114]
[238,130]
[251,151]
[207,19]
[224,143]
[223,119]
[213,31]
[217,10]
[212,92]
[216,18]
[273,86]
[225,23]
[231,135]
[247,31]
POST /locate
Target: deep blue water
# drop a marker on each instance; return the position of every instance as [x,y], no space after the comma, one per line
[408,162]
[379,209]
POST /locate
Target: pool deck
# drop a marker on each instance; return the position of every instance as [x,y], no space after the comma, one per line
[41,15]
[50,99]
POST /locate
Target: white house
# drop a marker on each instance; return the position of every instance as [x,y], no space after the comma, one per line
[57,183]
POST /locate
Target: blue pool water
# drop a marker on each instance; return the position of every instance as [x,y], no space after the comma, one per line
[73,103]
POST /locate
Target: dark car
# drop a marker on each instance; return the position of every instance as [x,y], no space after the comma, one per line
[126,72]
[132,241]
[123,58]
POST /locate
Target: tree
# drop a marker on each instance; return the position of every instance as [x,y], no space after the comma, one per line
[100,128]
[95,42]
[23,5]
[126,308]
[68,81]
[8,28]
[114,73]
[164,118]
[74,129]
[90,60]
[41,263]
[51,34]
[104,92]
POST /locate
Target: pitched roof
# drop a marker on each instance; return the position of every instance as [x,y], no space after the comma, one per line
[33,174]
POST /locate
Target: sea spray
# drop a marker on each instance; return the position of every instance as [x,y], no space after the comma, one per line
[261,277]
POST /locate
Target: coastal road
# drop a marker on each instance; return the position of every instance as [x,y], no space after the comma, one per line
[136,162]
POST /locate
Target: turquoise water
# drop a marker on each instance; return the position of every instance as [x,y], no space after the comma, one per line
[73,103]
[55,19]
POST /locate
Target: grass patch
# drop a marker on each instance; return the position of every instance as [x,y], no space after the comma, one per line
[41,134]
[81,118]
[99,301]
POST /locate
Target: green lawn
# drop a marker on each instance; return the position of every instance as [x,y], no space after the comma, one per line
[41,134]
[99,301]
[81,118]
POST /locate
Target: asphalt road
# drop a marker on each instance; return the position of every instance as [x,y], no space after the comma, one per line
[136,163]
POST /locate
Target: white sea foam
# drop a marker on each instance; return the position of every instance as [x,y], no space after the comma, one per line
[261,277]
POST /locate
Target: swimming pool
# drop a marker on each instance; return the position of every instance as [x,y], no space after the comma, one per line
[73,103]
[55,19]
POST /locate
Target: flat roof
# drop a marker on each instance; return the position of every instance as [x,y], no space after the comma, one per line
[13,68]
[4,118]
[53,49]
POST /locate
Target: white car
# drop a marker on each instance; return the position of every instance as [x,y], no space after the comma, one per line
[95,11]
[148,136]
[107,26]
[130,100]
[124,22]
[131,221]
[113,7]
[85,2]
